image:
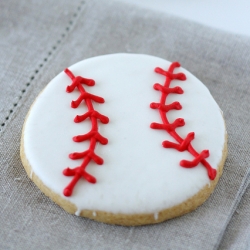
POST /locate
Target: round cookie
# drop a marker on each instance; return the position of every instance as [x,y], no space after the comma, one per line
[125,139]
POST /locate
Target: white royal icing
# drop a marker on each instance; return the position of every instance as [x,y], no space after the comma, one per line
[77,212]
[31,174]
[138,174]
[156,215]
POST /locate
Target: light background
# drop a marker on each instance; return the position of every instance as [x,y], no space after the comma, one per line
[228,15]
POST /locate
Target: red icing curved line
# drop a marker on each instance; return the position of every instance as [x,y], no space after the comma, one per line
[182,144]
[93,135]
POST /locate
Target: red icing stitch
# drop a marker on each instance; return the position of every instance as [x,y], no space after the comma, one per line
[183,144]
[93,135]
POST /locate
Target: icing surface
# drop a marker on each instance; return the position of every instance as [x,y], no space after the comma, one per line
[138,175]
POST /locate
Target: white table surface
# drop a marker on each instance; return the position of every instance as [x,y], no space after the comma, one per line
[228,15]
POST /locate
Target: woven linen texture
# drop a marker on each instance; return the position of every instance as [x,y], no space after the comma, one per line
[29,32]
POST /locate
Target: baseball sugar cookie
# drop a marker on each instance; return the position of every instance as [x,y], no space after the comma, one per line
[125,139]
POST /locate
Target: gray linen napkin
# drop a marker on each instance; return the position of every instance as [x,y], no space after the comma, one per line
[40,39]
